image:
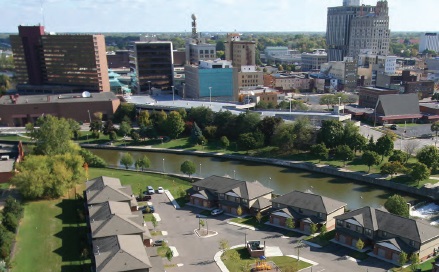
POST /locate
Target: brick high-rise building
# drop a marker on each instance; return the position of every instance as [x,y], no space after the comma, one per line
[59,63]
[239,52]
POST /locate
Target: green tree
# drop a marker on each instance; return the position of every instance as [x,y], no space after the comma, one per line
[224,142]
[124,129]
[399,156]
[188,168]
[419,172]
[196,134]
[384,146]
[371,146]
[154,221]
[108,128]
[91,159]
[323,230]
[313,228]
[53,136]
[158,120]
[258,217]
[320,151]
[143,162]
[203,116]
[429,156]
[328,100]
[247,141]
[144,119]
[370,158]
[174,124]
[13,206]
[283,136]
[304,133]
[396,204]
[125,111]
[331,133]
[169,254]
[359,245]
[344,153]
[402,258]
[414,259]
[210,132]
[289,223]
[113,136]
[127,160]
[392,168]
[267,126]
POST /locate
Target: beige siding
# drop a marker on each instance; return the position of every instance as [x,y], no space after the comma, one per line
[427,248]
[330,221]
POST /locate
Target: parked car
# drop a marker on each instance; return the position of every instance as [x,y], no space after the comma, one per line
[216,212]
[147,209]
[160,242]
[144,197]
[160,190]
[150,190]
[393,127]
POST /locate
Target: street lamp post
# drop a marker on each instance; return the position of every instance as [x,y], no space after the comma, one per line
[163,165]
[200,169]
[89,117]
[290,105]
[172,94]
[234,174]
[149,83]
[184,88]
[269,181]
[210,94]
[339,104]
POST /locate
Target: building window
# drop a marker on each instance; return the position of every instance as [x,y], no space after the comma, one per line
[384,234]
[339,223]
[348,226]
[368,232]
[412,243]
[221,196]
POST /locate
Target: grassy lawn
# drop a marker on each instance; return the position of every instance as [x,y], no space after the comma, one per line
[425,266]
[148,217]
[251,221]
[283,262]
[139,181]
[51,237]
[161,251]
[322,240]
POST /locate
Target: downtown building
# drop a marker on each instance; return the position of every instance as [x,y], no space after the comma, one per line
[49,63]
[353,27]
[152,65]
[429,41]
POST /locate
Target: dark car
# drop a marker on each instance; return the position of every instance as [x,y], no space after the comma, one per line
[147,209]
[159,242]
[144,197]
[393,127]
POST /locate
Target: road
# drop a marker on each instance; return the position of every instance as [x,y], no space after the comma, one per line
[196,254]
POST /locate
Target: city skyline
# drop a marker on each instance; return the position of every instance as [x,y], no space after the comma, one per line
[213,16]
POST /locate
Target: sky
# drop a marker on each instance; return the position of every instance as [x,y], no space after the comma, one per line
[212,15]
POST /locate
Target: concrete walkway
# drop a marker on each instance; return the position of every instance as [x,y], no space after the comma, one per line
[241,225]
[171,198]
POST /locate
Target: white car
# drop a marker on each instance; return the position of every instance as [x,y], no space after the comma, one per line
[160,190]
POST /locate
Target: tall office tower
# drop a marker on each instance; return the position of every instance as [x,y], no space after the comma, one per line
[429,41]
[339,27]
[370,30]
[59,63]
[239,52]
[153,65]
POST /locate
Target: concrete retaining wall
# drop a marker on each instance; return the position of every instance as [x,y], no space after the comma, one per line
[373,179]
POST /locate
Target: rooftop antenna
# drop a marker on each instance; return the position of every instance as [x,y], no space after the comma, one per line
[42,12]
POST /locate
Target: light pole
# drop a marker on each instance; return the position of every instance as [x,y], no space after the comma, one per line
[172,94]
[163,165]
[269,181]
[184,88]
[234,174]
[339,104]
[149,83]
[210,94]
[290,105]
[89,117]
[200,169]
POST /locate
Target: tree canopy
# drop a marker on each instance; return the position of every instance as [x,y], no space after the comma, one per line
[188,168]
[396,204]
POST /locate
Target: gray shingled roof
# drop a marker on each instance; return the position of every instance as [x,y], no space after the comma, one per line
[103,210]
[120,253]
[398,104]
[376,219]
[103,189]
[261,203]
[309,201]
[244,189]
[100,182]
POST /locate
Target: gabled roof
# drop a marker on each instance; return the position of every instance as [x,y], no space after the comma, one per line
[100,182]
[261,203]
[376,219]
[116,225]
[120,253]
[398,104]
[103,189]
[243,189]
[103,210]
[309,201]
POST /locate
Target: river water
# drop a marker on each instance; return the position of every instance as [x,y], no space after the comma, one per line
[281,179]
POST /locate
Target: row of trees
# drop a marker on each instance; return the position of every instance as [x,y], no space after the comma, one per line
[10,218]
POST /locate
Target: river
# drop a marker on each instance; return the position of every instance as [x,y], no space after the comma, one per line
[281,179]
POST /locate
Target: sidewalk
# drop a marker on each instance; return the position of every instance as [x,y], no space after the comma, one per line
[171,198]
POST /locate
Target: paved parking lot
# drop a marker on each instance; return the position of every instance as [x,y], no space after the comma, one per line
[196,254]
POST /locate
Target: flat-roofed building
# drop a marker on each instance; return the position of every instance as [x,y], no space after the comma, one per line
[46,61]
[249,76]
[153,65]
[313,61]
[239,52]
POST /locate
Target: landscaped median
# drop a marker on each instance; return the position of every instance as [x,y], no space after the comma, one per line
[238,259]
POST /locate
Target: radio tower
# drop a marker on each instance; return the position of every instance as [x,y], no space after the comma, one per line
[42,12]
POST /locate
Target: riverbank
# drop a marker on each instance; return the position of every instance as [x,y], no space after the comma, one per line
[373,179]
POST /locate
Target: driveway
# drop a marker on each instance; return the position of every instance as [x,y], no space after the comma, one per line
[196,254]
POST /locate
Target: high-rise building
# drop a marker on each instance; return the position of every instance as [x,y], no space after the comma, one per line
[196,47]
[371,29]
[239,52]
[344,71]
[59,63]
[429,41]
[152,64]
